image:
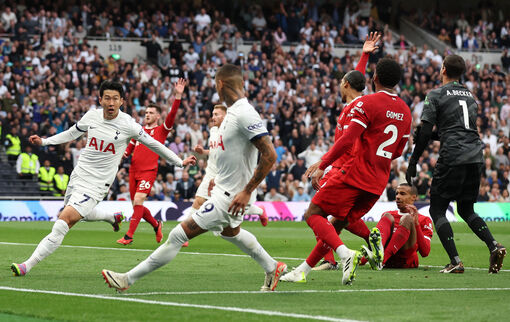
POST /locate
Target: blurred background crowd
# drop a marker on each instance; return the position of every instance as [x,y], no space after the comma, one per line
[50,75]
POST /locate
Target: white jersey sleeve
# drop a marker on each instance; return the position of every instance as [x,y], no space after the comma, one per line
[251,125]
[138,134]
[72,133]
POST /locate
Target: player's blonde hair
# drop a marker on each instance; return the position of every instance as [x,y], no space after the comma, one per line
[221,107]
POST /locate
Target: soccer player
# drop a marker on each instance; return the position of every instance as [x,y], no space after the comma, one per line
[380,128]
[144,165]
[453,110]
[351,88]
[241,134]
[109,132]
[203,191]
[404,233]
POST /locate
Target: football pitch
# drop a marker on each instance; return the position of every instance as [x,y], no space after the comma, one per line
[213,280]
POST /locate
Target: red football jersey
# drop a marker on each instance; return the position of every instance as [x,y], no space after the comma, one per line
[143,158]
[342,124]
[424,221]
[387,121]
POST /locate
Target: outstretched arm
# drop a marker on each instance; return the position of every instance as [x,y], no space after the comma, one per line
[68,135]
[266,161]
[353,132]
[160,149]
[369,47]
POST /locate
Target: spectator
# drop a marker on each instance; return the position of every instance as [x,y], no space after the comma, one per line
[185,187]
[274,195]
[311,155]
[124,193]
[46,174]
[301,195]
[60,181]
[203,20]
[27,164]
[273,178]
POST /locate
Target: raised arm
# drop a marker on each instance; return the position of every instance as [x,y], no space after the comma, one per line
[266,161]
[130,148]
[179,89]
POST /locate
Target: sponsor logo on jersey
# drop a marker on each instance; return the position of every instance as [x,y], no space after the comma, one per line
[255,126]
[218,143]
[101,146]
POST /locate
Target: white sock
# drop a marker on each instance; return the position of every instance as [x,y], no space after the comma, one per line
[161,256]
[255,210]
[48,244]
[304,267]
[249,244]
[98,214]
[343,252]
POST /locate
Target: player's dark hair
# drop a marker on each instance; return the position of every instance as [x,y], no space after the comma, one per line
[227,71]
[356,79]
[454,66]
[113,86]
[388,72]
[157,107]
[414,190]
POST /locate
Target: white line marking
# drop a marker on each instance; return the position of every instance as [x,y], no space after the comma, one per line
[322,291]
[200,306]
[208,254]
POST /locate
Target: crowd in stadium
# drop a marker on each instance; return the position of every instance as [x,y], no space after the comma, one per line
[49,77]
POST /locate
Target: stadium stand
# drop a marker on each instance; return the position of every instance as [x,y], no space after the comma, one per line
[50,74]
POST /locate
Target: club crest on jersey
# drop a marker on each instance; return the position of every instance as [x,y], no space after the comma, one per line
[108,148]
[117,134]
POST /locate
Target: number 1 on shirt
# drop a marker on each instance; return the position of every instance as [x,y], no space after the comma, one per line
[463,104]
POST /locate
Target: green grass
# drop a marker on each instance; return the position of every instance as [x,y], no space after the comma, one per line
[77,270]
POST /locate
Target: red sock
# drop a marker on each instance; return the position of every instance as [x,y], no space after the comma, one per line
[399,238]
[384,226]
[148,217]
[359,228]
[135,220]
[324,231]
[320,250]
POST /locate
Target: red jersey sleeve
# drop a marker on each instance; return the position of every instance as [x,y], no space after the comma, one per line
[424,234]
[362,64]
[170,118]
[341,146]
[130,148]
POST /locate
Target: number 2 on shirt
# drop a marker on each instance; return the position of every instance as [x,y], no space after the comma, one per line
[394,134]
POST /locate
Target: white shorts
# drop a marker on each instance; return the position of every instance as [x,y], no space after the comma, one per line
[82,196]
[204,185]
[213,215]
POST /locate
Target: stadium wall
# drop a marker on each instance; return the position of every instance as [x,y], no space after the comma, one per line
[128,50]
[47,210]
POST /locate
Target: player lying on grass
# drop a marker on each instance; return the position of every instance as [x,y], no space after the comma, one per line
[351,89]
[144,164]
[241,136]
[204,190]
[379,130]
[109,132]
[404,233]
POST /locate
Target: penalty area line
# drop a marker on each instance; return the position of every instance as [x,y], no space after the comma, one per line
[186,305]
[204,254]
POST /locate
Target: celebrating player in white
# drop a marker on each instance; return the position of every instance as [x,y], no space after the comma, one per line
[240,135]
[109,132]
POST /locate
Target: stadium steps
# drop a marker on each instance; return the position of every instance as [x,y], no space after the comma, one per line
[419,36]
[11,185]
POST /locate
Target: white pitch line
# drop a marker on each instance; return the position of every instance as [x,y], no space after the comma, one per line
[205,254]
[189,305]
[323,291]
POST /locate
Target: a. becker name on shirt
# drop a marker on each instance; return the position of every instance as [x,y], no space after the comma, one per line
[456,92]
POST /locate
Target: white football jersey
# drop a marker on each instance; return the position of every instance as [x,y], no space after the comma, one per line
[106,142]
[236,156]
[211,168]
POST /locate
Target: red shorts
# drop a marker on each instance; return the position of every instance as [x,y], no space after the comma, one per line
[330,174]
[141,181]
[343,201]
[404,258]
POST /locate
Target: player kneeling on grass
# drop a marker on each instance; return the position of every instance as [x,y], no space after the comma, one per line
[109,132]
[404,233]
[240,135]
